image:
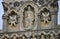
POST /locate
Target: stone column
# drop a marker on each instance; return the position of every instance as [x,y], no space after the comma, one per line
[4,23]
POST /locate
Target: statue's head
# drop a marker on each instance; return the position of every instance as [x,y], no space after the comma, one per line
[29,8]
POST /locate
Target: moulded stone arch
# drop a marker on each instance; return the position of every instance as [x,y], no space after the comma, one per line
[14,11]
[43,8]
[42,35]
[42,32]
[52,35]
[29,3]
[52,32]
[24,5]
[15,35]
[4,36]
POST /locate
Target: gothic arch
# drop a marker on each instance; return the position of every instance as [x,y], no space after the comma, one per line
[45,12]
[43,8]
[52,32]
[5,35]
[14,34]
[52,35]
[29,3]
[22,10]
[42,35]
[14,11]
[42,32]
[12,15]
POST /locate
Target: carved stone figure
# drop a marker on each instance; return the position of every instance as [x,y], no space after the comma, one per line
[14,37]
[52,36]
[34,37]
[13,19]
[24,37]
[45,15]
[29,18]
[42,36]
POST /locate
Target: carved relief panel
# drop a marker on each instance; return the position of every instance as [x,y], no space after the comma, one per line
[28,17]
[45,17]
[12,20]
[28,14]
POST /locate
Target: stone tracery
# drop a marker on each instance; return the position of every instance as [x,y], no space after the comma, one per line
[13,20]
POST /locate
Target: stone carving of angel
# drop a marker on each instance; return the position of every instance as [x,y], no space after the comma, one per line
[13,20]
[46,17]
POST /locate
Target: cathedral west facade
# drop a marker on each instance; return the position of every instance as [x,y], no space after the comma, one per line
[30,19]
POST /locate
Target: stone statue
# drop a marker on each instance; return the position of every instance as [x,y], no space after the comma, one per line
[42,37]
[13,20]
[24,37]
[52,36]
[29,17]
[46,17]
[14,37]
[34,37]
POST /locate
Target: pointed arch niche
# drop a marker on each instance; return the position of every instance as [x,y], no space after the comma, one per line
[12,21]
[28,14]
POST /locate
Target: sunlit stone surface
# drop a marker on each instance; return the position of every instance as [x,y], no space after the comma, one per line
[30,19]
